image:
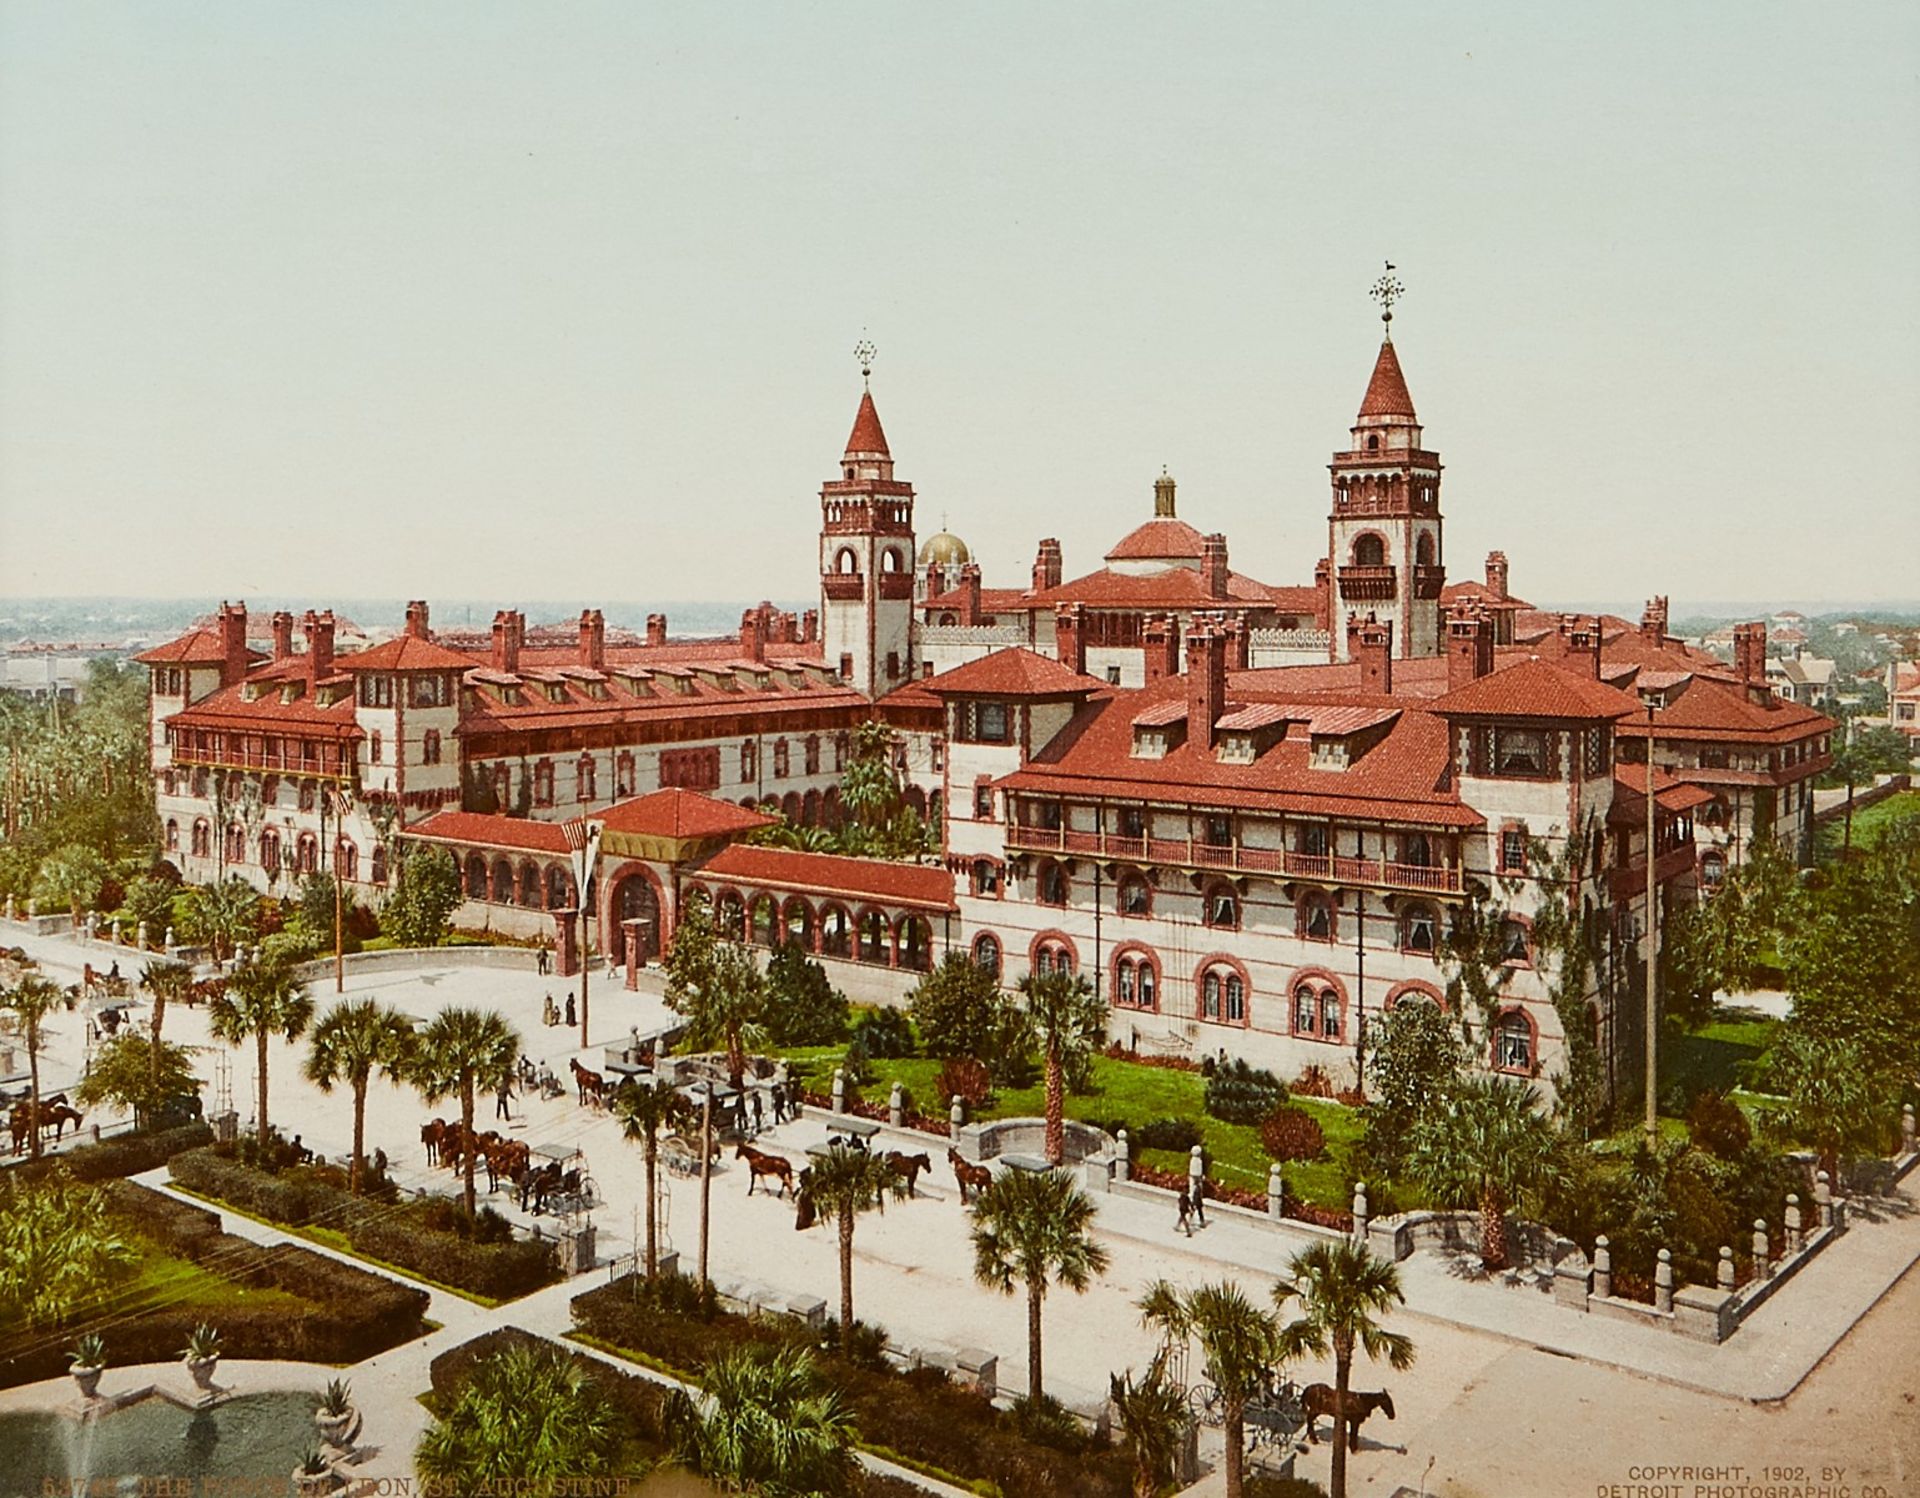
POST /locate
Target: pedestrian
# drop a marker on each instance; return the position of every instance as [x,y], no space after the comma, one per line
[779,1104]
[1200,1200]
[502,1105]
[794,1097]
[759,1118]
[549,1011]
[571,1019]
[542,961]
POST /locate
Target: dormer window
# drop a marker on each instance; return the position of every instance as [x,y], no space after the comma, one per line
[1519,751]
[556,691]
[376,690]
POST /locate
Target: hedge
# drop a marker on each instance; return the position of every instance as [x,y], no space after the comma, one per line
[124,1155]
[350,1314]
[920,1417]
[395,1233]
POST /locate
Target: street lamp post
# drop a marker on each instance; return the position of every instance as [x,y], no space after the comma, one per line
[1360,995]
[1653,920]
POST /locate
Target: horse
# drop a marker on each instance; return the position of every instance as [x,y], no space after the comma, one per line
[26,1120]
[535,1184]
[433,1137]
[759,1164]
[588,1082]
[1320,1399]
[969,1175]
[505,1158]
[908,1167]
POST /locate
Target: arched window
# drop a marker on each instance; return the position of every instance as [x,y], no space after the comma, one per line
[1373,442]
[270,851]
[1516,942]
[1136,980]
[1316,1010]
[173,836]
[346,859]
[915,937]
[1134,896]
[1713,866]
[797,921]
[236,843]
[503,786]
[306,854]
[810,809]
[1513,1042]
[1050,884]
[543,783]
[749,757]
[766,920]
[874,934]
[1423,550]
[377,865]
[1314,918]
[1416,851]
[781,759]
[1223,908]
[430,747]
[1419,929]
[1052,957]
[1369,551]
[1223,994]
[306,795]
[790,808]
[730,916]
[476,877]
[986,953]
[583,778]
[890,560]
[846,562]
[501,891]
[986,878]
[812,748]
[528,893]
[623,773]
[836,932]
[559,888]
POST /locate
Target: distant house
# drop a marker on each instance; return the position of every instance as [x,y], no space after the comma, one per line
[1903,699]
[1805,679]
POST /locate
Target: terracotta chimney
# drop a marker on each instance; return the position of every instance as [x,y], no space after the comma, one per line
[1653,621]
[1323,594]
[1237,643]
[753,638]
[809,626]
[1162,647]
[593,639]
[282,635]
[417,620]
[656,629]
[233,644]
[1750,653]
[970,593]
[1583,646]
[319,629]
[1206,680]
[1047,565]
[1497,576]
[506,642]
[1213,566]
[1370,642]
[1469,647]
[1070,636]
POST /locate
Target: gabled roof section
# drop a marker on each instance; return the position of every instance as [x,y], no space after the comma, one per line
[406,653]
[1017,672]
[1162,537]
[197,647]
[857,880]
[1387,393]
[679,813]
[1472,591]
[487,830]
[866,438]
[1534,688]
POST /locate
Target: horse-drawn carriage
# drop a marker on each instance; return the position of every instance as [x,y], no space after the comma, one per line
[558,1181]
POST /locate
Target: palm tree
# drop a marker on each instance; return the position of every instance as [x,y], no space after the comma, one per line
[263,999]
[1342,1288]
[1068,1017]
[523,1413]
[348,1043]
[1033,1226]
[1241,1346]
[164,979]
[727,1013]
[768,1425]
[1153,1417]
[643,1111]
[1487,1146]
[224,914]
[460,1051]
[844,1183]
[33,998]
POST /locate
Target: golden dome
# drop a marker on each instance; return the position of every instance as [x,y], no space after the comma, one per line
[945,548]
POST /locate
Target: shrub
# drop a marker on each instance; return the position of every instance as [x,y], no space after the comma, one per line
[803,1008]
[123,1155]
[1239,1094]
[964,1078]
[1313,1081]
[884,1033]
[1180,1134]
[1290,1133]
[1717,1125]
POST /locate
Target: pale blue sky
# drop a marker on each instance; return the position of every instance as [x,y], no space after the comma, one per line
[491,300]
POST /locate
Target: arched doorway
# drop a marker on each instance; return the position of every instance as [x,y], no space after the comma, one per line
[632,899]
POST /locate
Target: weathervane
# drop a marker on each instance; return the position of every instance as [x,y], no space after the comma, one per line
[864,352]
[1386,291]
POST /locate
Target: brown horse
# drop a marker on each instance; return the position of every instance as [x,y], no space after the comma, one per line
[1320,1399]
[588,1082]
[53,1110]
[970,1176]
[908,1167]
[433,1136]
[759,1164]
[506,1160]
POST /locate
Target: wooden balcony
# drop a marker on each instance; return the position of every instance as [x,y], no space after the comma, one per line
[1367,582]
[1236,858]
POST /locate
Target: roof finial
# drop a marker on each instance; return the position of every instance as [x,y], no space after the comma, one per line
[1386,291]
[864,352]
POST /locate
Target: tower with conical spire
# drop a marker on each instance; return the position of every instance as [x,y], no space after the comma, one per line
[866,557]
[1384,531]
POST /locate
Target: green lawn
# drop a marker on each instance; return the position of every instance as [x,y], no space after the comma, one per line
[1720,1054]
[1135,1094]
[1868,823]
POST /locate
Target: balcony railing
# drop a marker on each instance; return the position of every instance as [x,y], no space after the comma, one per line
[1429,582]
[1236,858]
[324,763]
[1632,880]
[1367,582]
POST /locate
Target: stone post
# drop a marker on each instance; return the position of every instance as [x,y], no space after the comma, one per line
[169,943]
[1196,1175]
[839,1089]
[1663,1282]
[1602,1267]
[1823,1199]
[33,907]
[1276,1192]
[957,1120]
[897,1106]
[566,943]
[1796,1234]
[10,909]
[1122,1157]
[93,925]
[1723,1271]
[636,950]
[1360,1212]
[1762,1251]
[1908,1141]
[140,936]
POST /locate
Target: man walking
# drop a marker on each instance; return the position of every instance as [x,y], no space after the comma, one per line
[503,1100]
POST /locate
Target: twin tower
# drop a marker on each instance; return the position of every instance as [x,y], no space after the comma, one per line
[1384,566]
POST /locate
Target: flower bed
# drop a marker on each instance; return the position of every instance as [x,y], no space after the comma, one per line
[397,1233]
[345,1314]
[1117,1052]
[1292,1206]
[919,1418]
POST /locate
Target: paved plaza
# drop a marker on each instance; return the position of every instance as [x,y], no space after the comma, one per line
[1510,1394]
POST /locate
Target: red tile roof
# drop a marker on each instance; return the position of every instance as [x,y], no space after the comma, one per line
[1014,672]
[853,879]
[1175,588]
[229,708]
[406,653]
[1722,711]
[1535,688]
[490,831]
[1162,537]
[1290,598]
[1674,794]
[679,813]
[198,647]
[1387,390]
[1478,592]
[866,436]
